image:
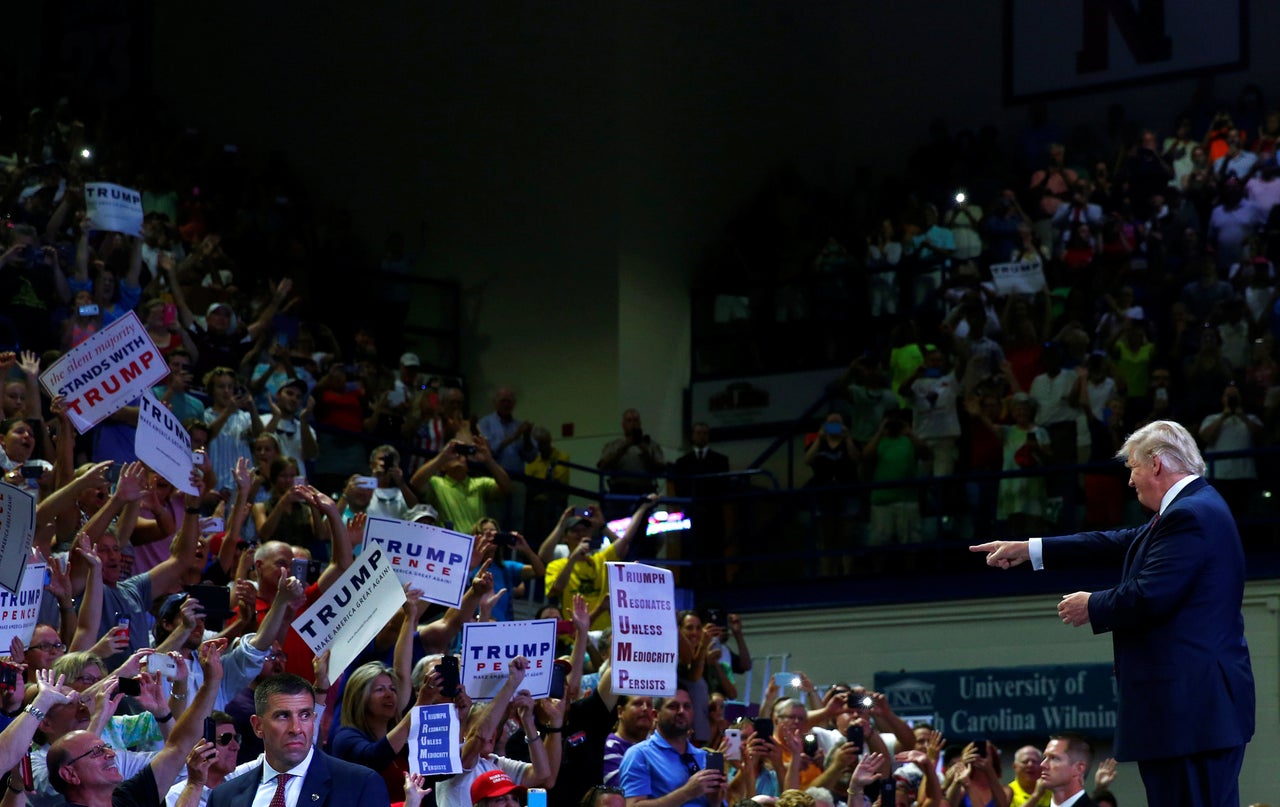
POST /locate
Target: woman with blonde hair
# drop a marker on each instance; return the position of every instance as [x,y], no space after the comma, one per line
[375,708]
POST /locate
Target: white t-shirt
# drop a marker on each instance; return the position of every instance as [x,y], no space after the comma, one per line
[456,790]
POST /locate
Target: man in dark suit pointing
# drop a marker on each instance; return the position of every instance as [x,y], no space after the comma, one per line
[1175,622]
[295,773]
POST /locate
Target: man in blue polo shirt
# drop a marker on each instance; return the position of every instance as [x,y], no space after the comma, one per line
[665,770]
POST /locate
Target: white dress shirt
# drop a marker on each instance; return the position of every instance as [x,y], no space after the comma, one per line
[292,788]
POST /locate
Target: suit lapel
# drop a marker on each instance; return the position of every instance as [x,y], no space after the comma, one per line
[244,786]
[316,787]
[1139,545]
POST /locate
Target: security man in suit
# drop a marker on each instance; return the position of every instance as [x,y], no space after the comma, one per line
[1175,620]
[706,512]
[295,773]
[1066,762]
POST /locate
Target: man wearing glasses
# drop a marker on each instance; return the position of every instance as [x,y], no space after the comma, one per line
[83,768]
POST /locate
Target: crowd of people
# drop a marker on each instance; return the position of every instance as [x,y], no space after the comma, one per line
[1149,293]
[1035,321]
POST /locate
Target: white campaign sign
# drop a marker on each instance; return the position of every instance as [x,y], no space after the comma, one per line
[20,610]
[1024,277]
[17,528]
[487,648]
[163,443]
[645,645]
[434,741]
[113,208]
[431,559]
[346,617]
[105,372]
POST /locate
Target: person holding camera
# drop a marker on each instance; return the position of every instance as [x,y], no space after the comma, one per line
[635,454]
[446,482]
[1232,429]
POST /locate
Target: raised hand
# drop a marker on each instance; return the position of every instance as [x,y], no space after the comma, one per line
[30,363]
[243,476]
[198,761]
[133,482]
[868,769]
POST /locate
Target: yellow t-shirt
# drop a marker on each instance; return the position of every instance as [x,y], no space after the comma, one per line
[588,577]
[1020,796]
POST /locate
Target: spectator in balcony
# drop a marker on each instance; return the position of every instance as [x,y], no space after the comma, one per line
[1024,446]
[701,459]
[439,418]
[865,398]
[1003,225]
[635,453]
[1263,188]
[512,442]
[232,423]
[1024,325]
[1206,372]
[583,572]
[1132,353]
[933,249]
[933,394]
[114,296]
[340,397]
[1237,162]
[286,516]
[1232,429]
[892,455]
[547,498]
[1144,172]
[833,458]
[1094,385]
[1051,185]
[1055,412]
[1231,224]
[392,498]
[1176,150]
[175,392]
[290,421]
[446,482]
[884,253]
[965,223]
[221,339]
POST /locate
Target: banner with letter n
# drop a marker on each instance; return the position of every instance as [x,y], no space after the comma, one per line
[20,609]
[489,647]
[436,744]
[350,613]
[431,559]
[105,372]
[645,644]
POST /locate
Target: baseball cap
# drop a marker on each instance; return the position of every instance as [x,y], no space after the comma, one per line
[301,384]
[422,511]
[491,784]
[410,360]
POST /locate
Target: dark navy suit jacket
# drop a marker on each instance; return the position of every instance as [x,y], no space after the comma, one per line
[330,782]
[1181,661]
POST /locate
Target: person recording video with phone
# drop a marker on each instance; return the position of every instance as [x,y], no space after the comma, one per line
[635,453]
